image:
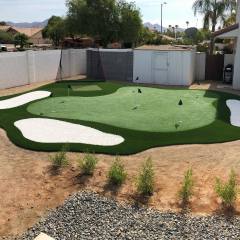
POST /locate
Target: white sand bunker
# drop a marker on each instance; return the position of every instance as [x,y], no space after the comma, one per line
[23,99]
[234,106]
[54,131]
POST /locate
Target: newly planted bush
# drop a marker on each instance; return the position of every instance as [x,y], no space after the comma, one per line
[145,180]
[117,174]
[88,164]
[186,190]
[227,191]
[60,159]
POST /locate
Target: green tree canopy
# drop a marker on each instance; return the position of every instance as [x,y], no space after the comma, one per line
[130,22]
[108,20]
[2,23]
[21,39]
[214,11]
[55,30]
[5,37]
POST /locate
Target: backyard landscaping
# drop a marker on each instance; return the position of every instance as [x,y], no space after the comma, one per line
[23,204]
[115,118]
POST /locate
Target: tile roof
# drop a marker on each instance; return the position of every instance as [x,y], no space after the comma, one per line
[165,48]
[226,30]
[28,31]
[4,28]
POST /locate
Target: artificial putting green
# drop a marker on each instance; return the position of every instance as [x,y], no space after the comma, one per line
[145,120]
[88,88]
[153,110]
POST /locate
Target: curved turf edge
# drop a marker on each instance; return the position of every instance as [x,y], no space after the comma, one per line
[135,141]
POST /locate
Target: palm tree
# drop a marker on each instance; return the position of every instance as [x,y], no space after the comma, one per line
[213,11]
[187,22]
[176,28]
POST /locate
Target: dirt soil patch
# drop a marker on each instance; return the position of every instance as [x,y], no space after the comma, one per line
[29,190]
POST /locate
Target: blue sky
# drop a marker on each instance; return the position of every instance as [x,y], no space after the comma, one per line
[175,12]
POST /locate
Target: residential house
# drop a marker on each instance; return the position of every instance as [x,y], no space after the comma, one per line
[233,32]
[8,29]
[34,34]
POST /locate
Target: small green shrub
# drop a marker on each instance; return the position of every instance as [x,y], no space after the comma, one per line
[227,191]
[60,159]
[117,174]
[88,164]
[186,190]
[145,180]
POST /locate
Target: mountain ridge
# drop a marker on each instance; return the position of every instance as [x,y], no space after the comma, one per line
[28,24]
[45,22]
[156,26]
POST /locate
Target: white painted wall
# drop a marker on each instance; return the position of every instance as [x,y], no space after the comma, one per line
[200,66]
[21,68]
[236,76]
[13,71]
[181,66]
[46,65]
[142,66]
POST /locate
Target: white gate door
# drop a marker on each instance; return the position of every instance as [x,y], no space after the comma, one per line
[160,67]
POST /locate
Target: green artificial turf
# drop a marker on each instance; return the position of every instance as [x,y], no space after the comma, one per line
[88,88]
[144,120]
[153,110]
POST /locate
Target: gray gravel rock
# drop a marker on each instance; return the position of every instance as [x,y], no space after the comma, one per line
[87,215]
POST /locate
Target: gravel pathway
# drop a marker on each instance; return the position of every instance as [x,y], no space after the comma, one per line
[90,216]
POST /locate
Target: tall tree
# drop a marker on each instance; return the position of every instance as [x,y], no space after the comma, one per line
[130,23]
[21,39]
[6,37]
[96,18]
[213,11]
[55,30]
[108,20]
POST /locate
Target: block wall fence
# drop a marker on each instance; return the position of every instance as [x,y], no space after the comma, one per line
[22,68]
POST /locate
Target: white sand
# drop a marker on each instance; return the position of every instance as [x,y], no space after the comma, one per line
[234,106]
[54,131]
[43,236]
[23,99]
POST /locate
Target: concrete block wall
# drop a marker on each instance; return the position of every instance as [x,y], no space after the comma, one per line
[22,68]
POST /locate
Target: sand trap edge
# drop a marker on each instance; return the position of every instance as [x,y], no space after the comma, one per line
[23,99]
[44,130]
[234,107]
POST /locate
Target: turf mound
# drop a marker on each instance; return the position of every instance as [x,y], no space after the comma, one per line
[89,88]
[144,117]
[154,110]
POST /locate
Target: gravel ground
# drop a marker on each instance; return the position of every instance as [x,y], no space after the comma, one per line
[90,216]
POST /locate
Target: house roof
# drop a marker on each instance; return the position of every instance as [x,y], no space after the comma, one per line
[165,48]
[168,38]
[28,31]
[5,28]
[227,31]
